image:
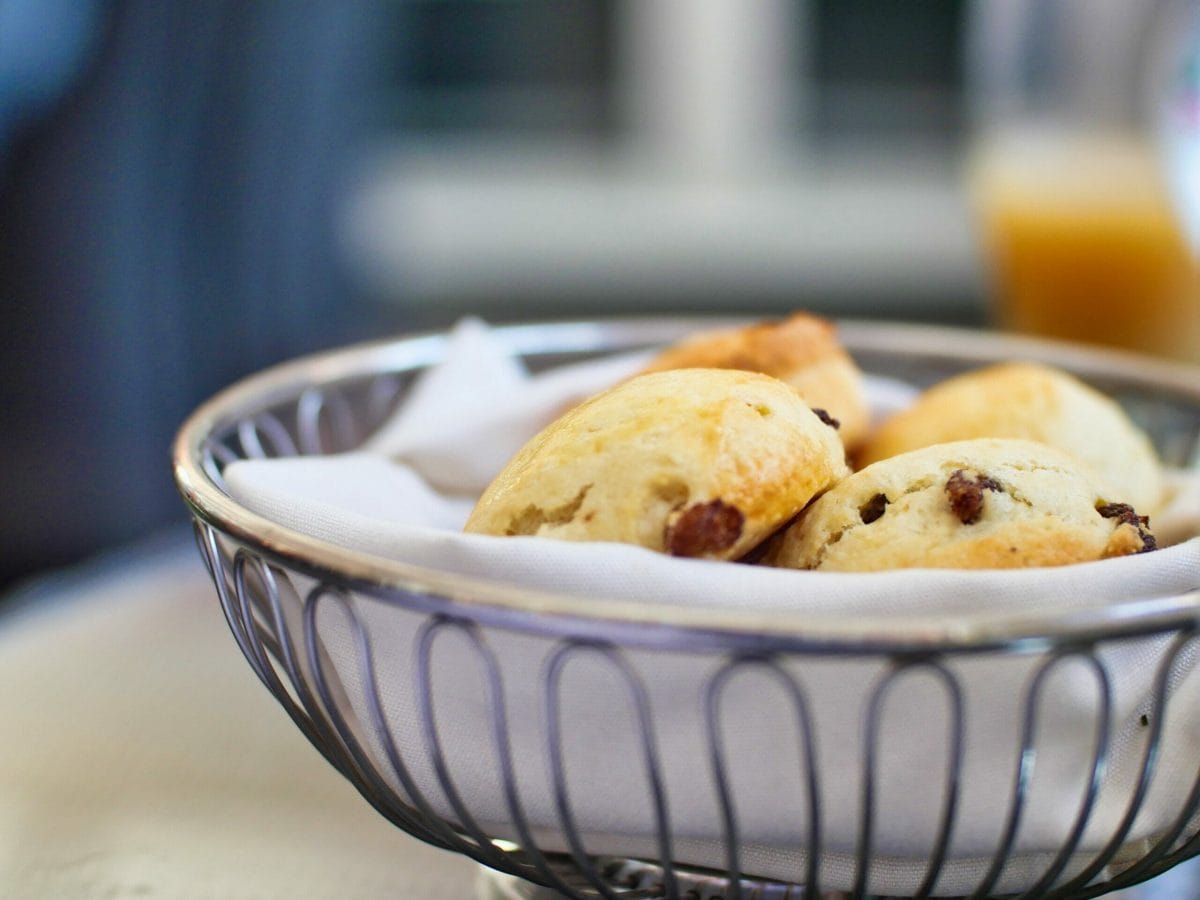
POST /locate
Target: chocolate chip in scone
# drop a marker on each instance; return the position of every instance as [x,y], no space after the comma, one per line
[1122,512]
[966,494]
[825,417]
[704,528]
[1127,515]
[873,508]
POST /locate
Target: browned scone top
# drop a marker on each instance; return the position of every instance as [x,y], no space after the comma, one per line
[694,462]
[978,504]
[1037,403]
[802,350]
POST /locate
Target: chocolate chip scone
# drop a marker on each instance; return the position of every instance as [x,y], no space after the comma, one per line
[802,350]
[1038,403]
[693,462]
[979,504]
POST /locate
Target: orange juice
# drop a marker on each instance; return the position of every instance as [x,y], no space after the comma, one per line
[1083,242]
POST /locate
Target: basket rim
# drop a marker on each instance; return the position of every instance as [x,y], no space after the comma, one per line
[504,604]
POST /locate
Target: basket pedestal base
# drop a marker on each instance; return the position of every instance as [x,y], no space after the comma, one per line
[493,885]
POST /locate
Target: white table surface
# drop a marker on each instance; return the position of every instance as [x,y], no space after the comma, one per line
[140,757]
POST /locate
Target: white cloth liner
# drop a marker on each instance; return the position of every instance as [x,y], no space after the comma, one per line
[404,497]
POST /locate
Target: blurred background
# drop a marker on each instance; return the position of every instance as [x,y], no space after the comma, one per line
[190,191]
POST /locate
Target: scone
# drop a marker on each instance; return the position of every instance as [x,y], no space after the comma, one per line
[802,350]
[1038,403]
[980,504]
[692,462]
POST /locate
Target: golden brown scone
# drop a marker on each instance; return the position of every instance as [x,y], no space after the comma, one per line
[979,504]
[692,462]
[1038,403]
[802,350]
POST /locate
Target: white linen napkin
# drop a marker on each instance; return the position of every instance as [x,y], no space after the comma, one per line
[405,495]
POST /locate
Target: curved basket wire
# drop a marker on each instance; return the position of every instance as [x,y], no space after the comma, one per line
[277,588]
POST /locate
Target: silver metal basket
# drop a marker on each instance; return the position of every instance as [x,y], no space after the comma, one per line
[274,584]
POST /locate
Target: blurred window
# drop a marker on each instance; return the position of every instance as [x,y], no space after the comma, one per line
[670,152]
[869,68]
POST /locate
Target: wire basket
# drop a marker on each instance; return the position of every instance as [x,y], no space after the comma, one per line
[279,589]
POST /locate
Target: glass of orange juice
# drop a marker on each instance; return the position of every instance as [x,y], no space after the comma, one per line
[1077,223]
